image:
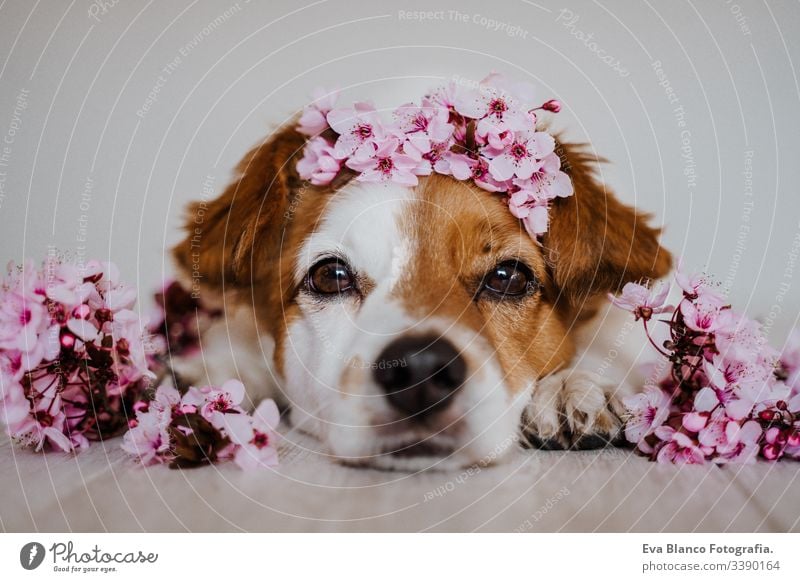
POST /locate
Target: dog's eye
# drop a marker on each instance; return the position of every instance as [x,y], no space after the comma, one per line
[330,276]
[508,279]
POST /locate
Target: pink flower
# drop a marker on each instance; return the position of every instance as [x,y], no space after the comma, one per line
[723,373]
[548,182]
[129,353]
[221,401]
[742,340]
[522,157]
[677,447]
[430,121]
[14,407]
[707,399]
[358,128]
[425,134]
[457,165]
[166,399]
[499,101]
[119,297]
[255,436]
[385,163]
[64,362]
[249,440]
[86,331]
[42,425]
[106,291]
[482,177]
[736,407]
[148,439]
[64,284]
[648,410]
[550,185]
[642,301]
[530,202]
[464,167]
[694,421]
[692,285]
[553,105]
[792,448]
[444,96]
[740,385]
[498,137]
[314,120]
[23,317]
[774,442]
[532,213]
[101,273]
[705,314]
[318,164]
[105,274]
[781,441]
[729,441]
[729,390]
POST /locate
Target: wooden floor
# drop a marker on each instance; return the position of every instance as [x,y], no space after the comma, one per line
[611,490]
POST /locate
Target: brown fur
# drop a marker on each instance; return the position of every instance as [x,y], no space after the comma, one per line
[242,226]
[595,243]
[243,246]
[462,232]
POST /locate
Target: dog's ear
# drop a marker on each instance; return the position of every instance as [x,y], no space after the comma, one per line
[594,242]
[242,228]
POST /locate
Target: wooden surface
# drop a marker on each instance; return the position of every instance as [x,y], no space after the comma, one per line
[611,490]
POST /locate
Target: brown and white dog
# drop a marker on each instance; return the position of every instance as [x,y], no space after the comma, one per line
[408,327]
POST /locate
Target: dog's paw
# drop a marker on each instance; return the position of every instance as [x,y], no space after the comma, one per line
[573,409]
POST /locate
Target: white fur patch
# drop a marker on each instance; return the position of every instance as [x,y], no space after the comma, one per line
[360,222]
[230,349]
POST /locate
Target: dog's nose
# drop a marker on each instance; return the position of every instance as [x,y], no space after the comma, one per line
[420,374]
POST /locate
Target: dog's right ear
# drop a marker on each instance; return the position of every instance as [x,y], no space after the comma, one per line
[226,237]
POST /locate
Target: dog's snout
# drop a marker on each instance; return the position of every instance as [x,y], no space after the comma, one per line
[420,374]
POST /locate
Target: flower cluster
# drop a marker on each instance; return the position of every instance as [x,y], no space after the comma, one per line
[726,396]
[202,426]
[486,134]
[72,357]
[175,327]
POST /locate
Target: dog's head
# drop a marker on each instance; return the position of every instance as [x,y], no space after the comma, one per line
[412,323]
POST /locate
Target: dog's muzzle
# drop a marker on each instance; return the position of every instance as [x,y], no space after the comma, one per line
[420,375]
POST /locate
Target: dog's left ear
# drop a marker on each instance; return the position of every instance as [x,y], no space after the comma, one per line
[595,243]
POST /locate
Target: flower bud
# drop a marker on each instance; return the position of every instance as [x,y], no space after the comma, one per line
[82,311]
[553,105]
[766,415]
[123,348]
[103,315]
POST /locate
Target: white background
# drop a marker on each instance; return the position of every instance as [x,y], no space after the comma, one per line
[89,67]
[392,557]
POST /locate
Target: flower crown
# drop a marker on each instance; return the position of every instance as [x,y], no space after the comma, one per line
[486,134]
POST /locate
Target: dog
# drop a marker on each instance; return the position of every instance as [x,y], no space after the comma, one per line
[410,327]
